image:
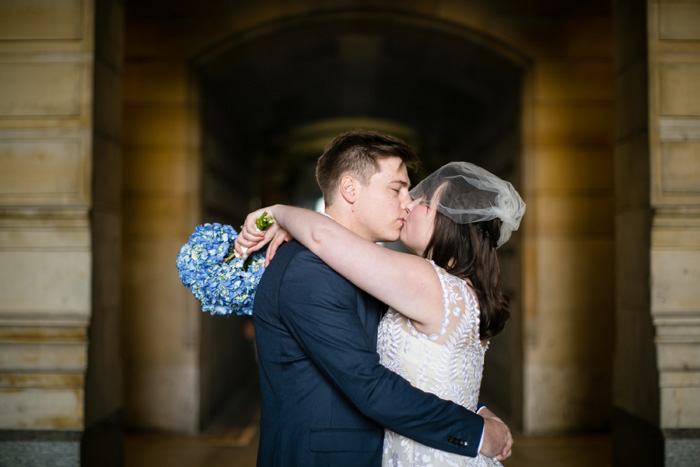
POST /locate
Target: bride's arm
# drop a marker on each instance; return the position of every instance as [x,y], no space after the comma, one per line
[406,282]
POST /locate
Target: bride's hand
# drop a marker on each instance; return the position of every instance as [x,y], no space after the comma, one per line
[251,239]
[495,433]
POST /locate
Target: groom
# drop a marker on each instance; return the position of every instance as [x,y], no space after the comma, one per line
[325,397]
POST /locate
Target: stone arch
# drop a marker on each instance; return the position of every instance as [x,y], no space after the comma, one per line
[270,99]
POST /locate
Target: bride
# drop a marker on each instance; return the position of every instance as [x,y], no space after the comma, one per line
[445,302]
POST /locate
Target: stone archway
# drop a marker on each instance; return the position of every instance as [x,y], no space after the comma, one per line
[563,129]
[270,101]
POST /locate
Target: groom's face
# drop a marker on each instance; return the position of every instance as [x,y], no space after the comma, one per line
[381,204]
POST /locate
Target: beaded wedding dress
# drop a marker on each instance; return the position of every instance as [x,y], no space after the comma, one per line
[448,364]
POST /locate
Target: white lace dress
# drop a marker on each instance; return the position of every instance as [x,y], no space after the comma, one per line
[448,364]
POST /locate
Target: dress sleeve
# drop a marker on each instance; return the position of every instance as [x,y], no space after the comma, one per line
[461,313]
[324,321]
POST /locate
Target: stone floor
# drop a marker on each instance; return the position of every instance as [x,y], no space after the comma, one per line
[236,447]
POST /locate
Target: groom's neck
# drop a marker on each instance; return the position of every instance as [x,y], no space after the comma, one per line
[346,218]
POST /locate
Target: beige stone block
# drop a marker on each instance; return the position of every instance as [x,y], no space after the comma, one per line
[51,357]
[45,20]
[674,279]
[562,398]
[676,233]
[576,216]
[574,170]
[43,170]
[584,123]
[678,354]
[680,407]
[160,125]
[680,129]
[687,378]
[41,380]
[680,170]
[153,391]
[678,20]
[680,86]
[35,409]
[580,81]
[43,90]
[45,282]
[45,239]
[156,82]
[41,331]
[73,218]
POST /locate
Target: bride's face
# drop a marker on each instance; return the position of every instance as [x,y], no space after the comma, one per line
[420,223]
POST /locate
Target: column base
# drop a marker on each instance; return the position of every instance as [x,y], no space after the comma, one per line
[39,448]
[637,442]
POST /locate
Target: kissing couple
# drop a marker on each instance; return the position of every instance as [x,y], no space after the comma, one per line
[345,382]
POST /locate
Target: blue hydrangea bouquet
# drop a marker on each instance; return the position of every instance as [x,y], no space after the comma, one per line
[222,280]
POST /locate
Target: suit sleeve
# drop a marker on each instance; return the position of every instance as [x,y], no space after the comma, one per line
[320,309]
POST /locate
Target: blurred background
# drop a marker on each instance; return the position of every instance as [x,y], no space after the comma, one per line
[124,124]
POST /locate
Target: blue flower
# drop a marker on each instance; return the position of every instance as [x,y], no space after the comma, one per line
[223,282]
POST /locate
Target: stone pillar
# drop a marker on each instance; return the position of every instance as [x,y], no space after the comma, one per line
[674,143]
[161,207]
[657,384]
[52,222]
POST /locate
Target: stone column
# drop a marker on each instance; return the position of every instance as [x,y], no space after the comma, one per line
[674,143]
[51,221]
[657,383]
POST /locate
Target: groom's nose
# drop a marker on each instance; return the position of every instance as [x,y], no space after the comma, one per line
[406,202]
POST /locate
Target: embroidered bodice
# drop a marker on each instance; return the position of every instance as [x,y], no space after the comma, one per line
[448,364]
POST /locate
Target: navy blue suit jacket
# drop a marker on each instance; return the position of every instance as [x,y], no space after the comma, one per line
[325,397]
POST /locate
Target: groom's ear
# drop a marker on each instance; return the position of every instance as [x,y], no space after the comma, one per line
[348,189]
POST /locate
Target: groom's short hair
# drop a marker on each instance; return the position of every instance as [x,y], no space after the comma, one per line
[355,153]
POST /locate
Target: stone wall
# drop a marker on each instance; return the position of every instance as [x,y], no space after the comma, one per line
[46,148]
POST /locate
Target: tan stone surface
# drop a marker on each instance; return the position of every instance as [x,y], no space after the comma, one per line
[680,173]
[681,406]
[46,69]
[678,20]
[41,409]
[680,88]
[41,20]
[44,282]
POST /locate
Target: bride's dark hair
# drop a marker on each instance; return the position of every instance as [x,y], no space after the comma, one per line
[468,251]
